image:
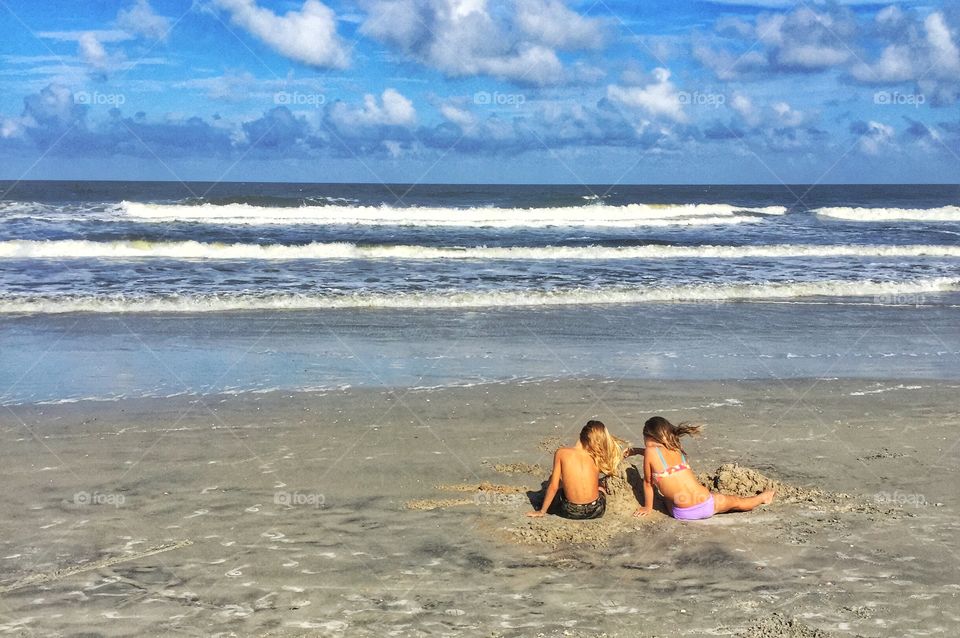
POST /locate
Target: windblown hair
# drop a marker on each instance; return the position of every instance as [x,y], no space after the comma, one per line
[667,434]
[604,448]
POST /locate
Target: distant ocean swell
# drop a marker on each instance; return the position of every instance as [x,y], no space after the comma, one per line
[889,293]
[131,249]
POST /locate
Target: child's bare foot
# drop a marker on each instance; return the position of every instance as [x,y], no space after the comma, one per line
[767,497]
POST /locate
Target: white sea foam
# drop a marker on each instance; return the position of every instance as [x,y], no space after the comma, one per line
[591,215]
[886,389]
[82,249]
[487,299]
[944,214]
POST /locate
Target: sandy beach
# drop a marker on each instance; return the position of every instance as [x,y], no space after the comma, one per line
[401,512]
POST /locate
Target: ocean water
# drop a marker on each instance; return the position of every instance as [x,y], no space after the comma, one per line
[112,289]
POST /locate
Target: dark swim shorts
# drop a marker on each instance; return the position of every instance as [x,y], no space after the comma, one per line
[585,511]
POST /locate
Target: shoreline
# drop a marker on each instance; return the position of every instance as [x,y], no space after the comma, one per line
[291,510]
[110,356]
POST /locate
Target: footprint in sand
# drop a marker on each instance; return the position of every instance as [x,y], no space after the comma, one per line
[17,624]
[333,625]
[274,536]
[235,611]
[237,571]
[264,602]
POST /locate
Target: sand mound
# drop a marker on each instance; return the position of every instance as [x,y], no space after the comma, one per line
[779,626]
[731,478]
[437,503]
[482,487]
[520,468]
[484,493]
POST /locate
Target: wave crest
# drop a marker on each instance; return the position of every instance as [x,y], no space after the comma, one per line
[943,214]
[592,215]
[885,293]
[131,249]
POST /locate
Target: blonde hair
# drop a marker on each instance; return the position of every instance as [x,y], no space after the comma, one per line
[667,434]
[604,448]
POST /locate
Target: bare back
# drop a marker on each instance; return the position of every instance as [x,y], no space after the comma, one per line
[579,476]
[681,488]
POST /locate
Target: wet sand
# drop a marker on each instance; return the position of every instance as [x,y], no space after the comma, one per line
[373,513]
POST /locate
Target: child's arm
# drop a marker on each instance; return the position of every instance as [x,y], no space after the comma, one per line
[632,451]
[551,488]
[647,506]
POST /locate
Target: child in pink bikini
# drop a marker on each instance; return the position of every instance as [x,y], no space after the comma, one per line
[665,467]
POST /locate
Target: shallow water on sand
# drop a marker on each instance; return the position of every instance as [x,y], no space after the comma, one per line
[68,357]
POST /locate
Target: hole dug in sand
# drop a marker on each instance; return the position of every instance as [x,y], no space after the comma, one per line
[618,519]
[622,501]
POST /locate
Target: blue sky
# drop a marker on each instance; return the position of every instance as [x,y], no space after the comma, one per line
[553,91]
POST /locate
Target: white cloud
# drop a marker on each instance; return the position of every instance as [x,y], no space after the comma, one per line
[810,56]
[463,119]
[54,106]
[802,40]
[140,19]
[943,52]
[244,86]
[891,15]
[516,42]
[659,99]
[786,4]
[787,115]
[876,138]
[770,120]
[743,106]
[308,35]
[11,128]
[927,54]
[103,35]
[92,52]
[393,109]
[730,66]
[398,109]
[551,23]
[535,64]
[394,148]
[895,65]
